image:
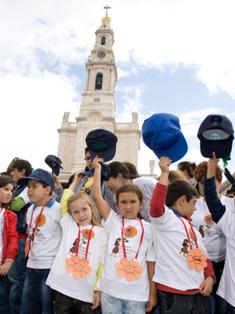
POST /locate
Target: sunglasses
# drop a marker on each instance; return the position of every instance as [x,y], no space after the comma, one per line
[87,158]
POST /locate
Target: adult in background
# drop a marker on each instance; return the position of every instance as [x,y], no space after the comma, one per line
[120,175]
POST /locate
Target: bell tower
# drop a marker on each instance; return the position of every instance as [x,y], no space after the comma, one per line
[97,109]
[101,76]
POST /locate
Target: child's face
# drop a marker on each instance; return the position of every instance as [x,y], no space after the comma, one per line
[37,193]
[129,205]
[6,193]
[189,207]
[81,212]
[17,174]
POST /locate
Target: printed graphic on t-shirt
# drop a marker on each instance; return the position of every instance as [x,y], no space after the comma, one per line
[205,228]
[83,241]
[129,233]
[77,264]
[186,245]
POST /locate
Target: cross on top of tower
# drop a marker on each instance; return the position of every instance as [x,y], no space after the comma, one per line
[107,7]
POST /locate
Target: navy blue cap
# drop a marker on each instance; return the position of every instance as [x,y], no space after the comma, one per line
[54,163]
[40,175]
[162,134]
[216,135]
[102,143]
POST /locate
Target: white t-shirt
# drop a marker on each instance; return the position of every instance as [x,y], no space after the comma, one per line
[63,281]
[171,245]
[147,185]
[213,238]
[47,236]
[111,283]
[2,210]
[227,282]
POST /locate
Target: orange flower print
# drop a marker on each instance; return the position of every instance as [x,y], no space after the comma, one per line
[196,260]
[79,268]
[86,232]
[130,232]
[42,220]
[208,220]
[129,269]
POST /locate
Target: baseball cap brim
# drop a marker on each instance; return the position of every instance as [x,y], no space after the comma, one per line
[25,180]
[107,154]
[222,148]
[176,151]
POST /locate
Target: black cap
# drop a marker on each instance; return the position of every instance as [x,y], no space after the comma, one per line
[102,143]
[54,163]
[216,135]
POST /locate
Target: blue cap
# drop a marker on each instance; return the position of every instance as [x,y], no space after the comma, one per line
[162,134]
[216,135]
[39,175]
[102,143]
[54,163]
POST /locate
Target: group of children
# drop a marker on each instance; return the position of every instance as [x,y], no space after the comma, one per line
[75,263]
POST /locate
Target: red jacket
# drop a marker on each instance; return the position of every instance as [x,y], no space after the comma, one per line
[10,236]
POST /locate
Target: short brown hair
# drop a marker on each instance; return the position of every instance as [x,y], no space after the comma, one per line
[179,188]
[201,171]
[82,195]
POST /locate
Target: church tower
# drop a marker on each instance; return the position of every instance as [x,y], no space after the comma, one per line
[97,110]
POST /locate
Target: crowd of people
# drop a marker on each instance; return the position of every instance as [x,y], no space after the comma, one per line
[110,241]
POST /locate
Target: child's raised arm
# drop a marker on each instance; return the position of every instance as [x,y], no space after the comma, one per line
[159,194]
[212,200]
[100,203]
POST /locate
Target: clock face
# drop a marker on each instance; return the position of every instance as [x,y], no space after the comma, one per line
[101,54]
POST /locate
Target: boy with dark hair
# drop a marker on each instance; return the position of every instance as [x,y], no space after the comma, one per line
[19,168]
[183,273]
[44,235]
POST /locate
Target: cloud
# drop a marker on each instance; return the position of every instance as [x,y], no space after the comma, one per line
[29,128]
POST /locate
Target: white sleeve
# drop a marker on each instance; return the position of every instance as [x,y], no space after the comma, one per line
[24,195]
[103,246]
[227,224]
[151,254]
[111,220]
[164,221]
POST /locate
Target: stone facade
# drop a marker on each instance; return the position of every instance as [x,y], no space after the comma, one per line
[97,109]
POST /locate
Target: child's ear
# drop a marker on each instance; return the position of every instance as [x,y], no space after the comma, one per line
[182,200]
[48,190]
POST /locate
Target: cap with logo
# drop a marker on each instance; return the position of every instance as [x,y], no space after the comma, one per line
[102,143]
[216,135]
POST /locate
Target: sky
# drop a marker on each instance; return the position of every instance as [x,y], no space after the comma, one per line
[174,56]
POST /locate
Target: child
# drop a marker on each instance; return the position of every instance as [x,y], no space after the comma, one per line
[183,273]
[80,258]
[8,241]
[126,284]
[213,238]
[225,219]
[44,235]
[20,203]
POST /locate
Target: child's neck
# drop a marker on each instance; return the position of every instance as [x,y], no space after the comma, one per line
[43,202]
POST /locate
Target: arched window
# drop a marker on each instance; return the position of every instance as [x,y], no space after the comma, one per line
[99,81]
[102,40]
